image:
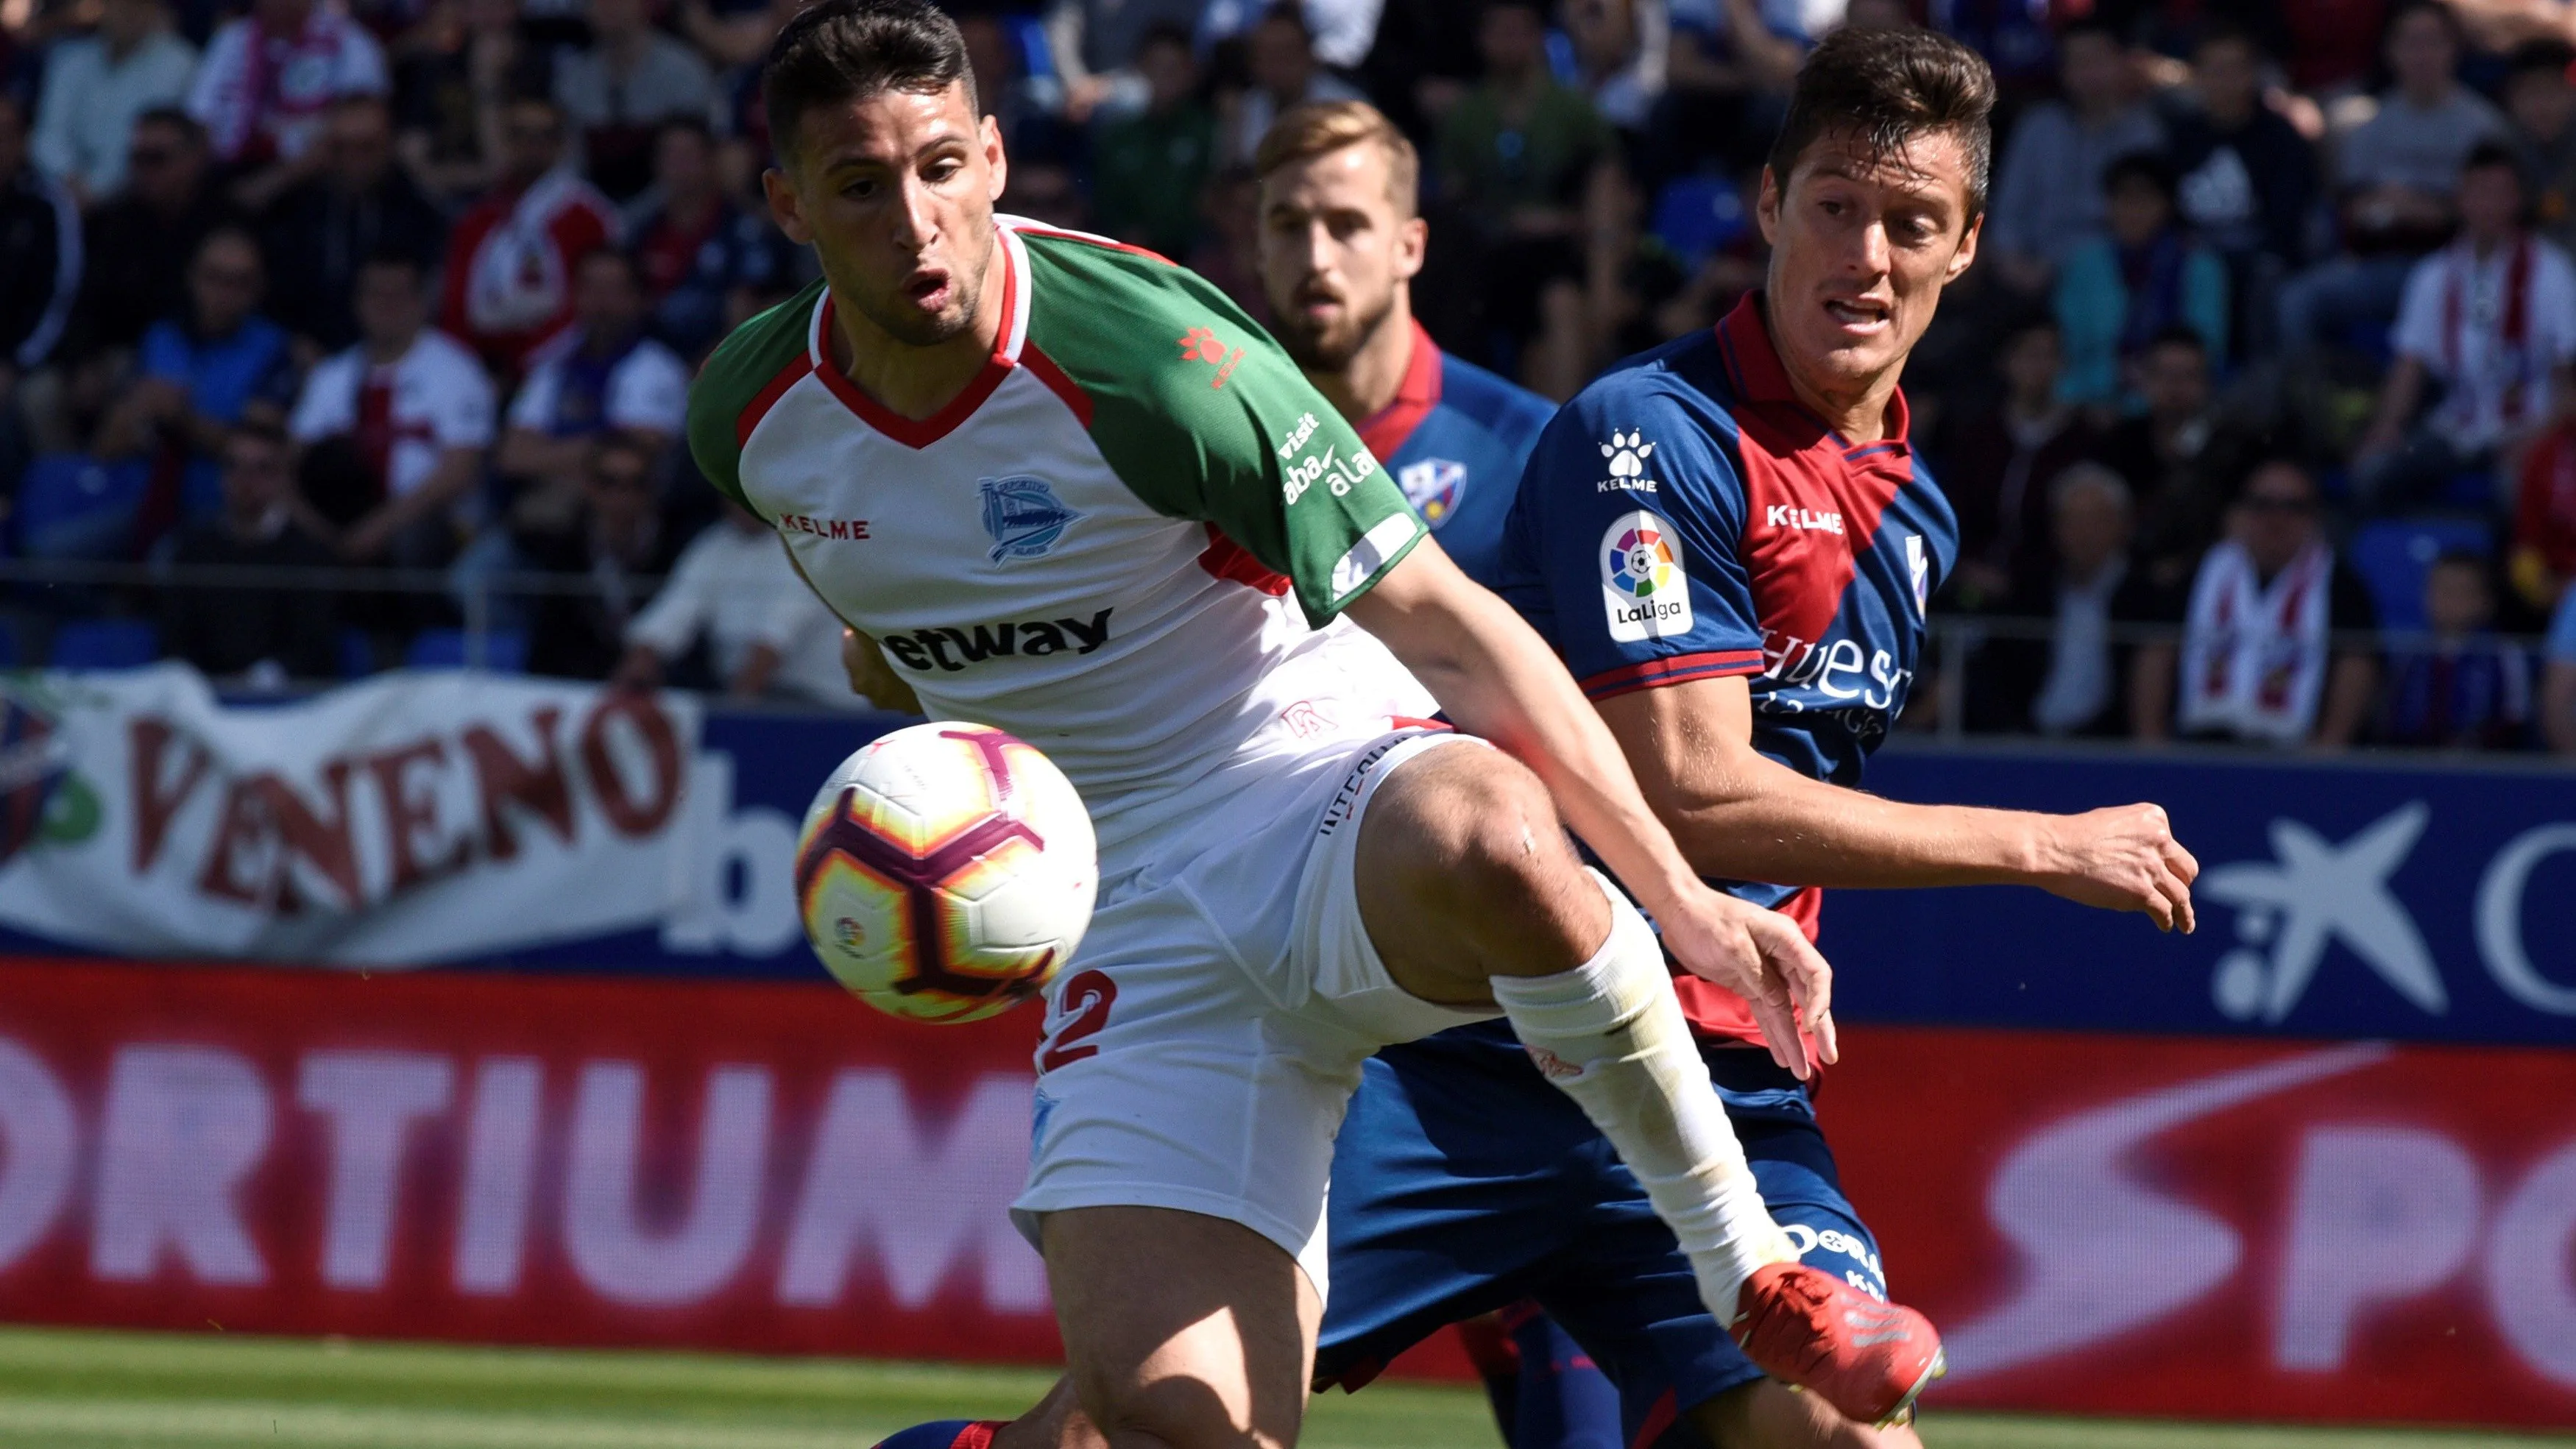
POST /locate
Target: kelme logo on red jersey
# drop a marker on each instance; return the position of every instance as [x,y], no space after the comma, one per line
[1201,344]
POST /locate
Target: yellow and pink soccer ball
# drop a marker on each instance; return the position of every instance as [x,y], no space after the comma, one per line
[945,872]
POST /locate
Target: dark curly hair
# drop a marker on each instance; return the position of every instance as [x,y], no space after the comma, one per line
[837,51]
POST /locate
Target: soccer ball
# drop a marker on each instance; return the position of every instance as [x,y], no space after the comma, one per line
[945,872]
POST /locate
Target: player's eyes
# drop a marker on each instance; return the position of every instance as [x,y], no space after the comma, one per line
[860,190]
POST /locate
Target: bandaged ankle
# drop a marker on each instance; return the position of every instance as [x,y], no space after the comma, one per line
[1610,1034]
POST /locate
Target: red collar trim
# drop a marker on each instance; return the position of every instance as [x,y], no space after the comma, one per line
[1387,429]
[1753,365]
[922,432]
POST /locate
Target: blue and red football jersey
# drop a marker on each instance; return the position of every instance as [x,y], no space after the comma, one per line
[1455,439]
[1686,517]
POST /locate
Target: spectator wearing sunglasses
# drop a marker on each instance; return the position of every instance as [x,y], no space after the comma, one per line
[96,86]
[2271,650]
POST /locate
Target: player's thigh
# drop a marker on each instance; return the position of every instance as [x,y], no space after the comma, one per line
[1462,871]
[1181,1329]
[1766,1414]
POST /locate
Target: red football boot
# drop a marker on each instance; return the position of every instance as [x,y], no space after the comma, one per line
[1806,1327]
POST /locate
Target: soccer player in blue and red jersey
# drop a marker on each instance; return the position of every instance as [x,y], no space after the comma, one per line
[1731,542]
[1340,244]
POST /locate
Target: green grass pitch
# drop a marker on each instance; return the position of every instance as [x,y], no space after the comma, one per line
[84,1390]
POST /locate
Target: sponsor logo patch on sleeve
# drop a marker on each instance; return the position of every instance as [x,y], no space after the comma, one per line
[1370,554]
[1644,587]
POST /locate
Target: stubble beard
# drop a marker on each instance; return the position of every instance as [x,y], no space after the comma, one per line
[1332,351]
[909,327]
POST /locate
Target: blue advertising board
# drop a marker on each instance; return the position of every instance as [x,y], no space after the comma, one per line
[2355,896]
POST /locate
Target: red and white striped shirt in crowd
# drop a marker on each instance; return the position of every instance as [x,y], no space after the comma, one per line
[510,262]
[401,415]
[2490,328]
[261,95]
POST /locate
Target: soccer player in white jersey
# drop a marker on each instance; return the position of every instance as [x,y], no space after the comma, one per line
[1076,494]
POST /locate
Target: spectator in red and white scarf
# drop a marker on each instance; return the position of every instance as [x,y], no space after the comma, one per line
[2492,319]
[510,259]
[267,79]
[2273,647]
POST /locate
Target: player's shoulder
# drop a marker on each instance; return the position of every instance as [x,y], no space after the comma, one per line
[1687,375]
[1671,404]
[749,359]
[737,375]
[1510,412]
[1078,272]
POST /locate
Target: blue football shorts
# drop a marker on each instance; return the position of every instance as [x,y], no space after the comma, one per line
[1463,1181]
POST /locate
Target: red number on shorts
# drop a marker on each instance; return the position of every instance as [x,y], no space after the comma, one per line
[1089,995]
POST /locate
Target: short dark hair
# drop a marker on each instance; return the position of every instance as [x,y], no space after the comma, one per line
[2488,155]
[2178,334]
[257,427]
[837,51]
[173,118]
[1888,87]
[2144,166]
[2540,57]
[695,125]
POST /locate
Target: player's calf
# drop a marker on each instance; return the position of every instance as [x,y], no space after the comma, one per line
[1181,1331]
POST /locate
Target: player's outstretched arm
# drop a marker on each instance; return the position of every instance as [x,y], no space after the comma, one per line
[1738,813]
[1497,679]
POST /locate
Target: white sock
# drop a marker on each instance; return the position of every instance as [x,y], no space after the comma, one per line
[1611,1035]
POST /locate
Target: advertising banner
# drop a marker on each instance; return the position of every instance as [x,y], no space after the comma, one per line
[765,1167]
[2144,1225]
[2100,1223]
[2352,896]
[408,819]
[460,819]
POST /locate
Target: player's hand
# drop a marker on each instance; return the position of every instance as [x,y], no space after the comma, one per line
[1763,957]
[2122,859]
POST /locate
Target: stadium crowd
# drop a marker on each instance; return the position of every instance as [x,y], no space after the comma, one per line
[2259,413]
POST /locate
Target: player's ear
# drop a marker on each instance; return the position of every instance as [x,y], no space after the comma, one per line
[989,132]
[1766,207]
[1412,240]
[785,207]
[1966,255]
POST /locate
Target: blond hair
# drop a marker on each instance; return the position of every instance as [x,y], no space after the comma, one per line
[1319,128]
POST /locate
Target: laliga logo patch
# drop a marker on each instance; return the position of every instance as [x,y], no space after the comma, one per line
[1432,487]
[1644,588]
[1919,566]
[1024,516]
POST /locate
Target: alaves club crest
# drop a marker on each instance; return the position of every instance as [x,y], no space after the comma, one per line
[1432,486]
[1024,516]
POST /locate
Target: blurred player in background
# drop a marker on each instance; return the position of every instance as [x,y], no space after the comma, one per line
[1077,495]
[1341,240]
[1730,541]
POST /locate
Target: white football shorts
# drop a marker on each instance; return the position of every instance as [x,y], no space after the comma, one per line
[1203,1047]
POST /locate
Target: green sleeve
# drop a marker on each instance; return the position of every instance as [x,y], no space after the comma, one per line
[1204,417]
[737,377]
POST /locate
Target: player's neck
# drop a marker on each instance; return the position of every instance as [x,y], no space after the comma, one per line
[914,381]
[1859,415]
[1375,374]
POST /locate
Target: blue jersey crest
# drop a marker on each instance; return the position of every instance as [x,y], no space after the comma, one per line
[1431,486]
[1024,516]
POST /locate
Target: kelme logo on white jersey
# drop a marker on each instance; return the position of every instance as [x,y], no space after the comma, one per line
[1370,554]
[1644,587]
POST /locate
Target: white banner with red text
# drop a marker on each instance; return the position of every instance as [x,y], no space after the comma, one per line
[407,819]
